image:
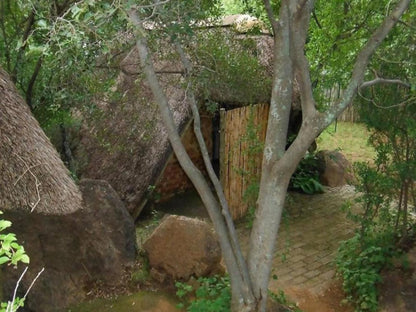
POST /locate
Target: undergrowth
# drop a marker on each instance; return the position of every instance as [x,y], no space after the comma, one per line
[213,294]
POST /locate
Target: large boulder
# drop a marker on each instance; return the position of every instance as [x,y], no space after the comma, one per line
[181,247]
[335,169]
[108,215]
[94,243]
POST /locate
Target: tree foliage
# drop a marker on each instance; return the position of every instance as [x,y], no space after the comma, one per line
[387,185]
[55,61]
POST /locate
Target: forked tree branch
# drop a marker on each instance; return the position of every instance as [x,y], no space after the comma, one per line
[298,33]
[361,63]
[203,188]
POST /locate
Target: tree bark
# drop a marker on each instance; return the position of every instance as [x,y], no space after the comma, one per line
[273,181]
[242,299]
[290,31]
[278,165]
[242,266]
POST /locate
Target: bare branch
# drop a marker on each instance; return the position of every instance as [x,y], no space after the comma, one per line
[401,104]
[379,80]
[10,304]
[33,282]
[24,172]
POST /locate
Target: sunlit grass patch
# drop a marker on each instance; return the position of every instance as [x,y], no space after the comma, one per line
[350,138]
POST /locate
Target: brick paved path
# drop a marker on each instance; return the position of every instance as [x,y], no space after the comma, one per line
[308,241]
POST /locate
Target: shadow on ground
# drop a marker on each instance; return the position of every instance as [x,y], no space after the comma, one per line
[309,236]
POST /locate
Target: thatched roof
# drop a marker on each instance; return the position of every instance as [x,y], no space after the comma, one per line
[32,173]
[126,142]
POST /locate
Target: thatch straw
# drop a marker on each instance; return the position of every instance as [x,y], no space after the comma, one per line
[32,175]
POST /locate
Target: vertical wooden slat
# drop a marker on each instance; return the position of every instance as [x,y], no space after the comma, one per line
[223,153]
[233,156]
[235,159]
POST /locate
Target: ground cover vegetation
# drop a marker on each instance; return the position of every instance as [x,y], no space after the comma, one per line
[11,253]
[63,53]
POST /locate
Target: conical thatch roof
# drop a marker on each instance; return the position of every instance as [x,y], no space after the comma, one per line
[126,142]
[32,173]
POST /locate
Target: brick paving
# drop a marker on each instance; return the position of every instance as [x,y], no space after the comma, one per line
[309,238]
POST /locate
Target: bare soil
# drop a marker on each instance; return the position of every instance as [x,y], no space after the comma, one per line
[398,290]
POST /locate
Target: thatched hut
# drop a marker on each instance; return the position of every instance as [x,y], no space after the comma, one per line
[127,144]
[78,236]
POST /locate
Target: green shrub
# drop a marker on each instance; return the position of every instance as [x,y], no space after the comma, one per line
[359,263]
[212,295]
[306,176]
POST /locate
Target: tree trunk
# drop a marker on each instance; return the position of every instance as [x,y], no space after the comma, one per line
[290,32]
[242,298]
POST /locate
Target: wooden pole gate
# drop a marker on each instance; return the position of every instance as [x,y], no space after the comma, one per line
[243,132]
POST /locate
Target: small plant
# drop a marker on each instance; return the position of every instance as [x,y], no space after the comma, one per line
[280,297]
[306,176]
[359,263]
[375,244]
[11,253]
[212,295]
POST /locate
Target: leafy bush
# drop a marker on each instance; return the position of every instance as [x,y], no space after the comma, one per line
[212,295]
[306,176]
[10,251]
[359,263]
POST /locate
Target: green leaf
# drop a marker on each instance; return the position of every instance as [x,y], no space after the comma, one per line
[25,259]
[4,259]
[42,23]
[4,224]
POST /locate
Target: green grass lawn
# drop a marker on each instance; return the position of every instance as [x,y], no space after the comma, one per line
[350,138]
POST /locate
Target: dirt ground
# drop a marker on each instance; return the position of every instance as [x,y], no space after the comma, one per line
[398,290]
[330,301]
